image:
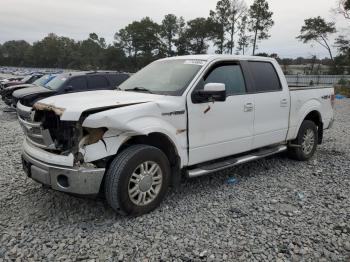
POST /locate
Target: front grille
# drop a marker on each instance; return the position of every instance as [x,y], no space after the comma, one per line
[34,130]
[44,129]
[24,112]
[36,134]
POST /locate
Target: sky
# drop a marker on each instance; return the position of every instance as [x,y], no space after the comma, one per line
[32,20]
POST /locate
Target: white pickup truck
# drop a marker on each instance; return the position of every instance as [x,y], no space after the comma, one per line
[183,116]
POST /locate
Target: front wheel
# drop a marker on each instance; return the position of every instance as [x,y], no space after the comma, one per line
[305,145]
[137,180]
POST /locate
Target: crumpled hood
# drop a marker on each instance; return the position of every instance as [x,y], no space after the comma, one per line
[30,90]
[71,106]
[12,88]
[15,87]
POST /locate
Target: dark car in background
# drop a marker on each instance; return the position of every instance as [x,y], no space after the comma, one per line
[6,93]
[69,83]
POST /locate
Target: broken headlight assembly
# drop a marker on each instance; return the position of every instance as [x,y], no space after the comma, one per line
[92,136]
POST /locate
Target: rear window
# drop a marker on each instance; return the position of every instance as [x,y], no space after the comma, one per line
[117,79]
[264,76]
[97,82]
[78,83]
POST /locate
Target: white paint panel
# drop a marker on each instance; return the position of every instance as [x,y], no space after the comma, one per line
[47,157]
[271,118]
[226,129]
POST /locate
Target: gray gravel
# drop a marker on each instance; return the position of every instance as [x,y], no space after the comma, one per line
[277,209]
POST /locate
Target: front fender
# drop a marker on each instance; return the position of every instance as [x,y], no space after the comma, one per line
[142,119]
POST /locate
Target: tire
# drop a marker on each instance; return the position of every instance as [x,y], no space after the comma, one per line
[305,145]
[125,178]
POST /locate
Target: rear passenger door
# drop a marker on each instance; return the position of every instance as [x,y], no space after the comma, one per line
[98,82]
[271,103]
[76,84]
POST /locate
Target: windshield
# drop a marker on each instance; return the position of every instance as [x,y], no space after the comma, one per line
[25,79]
[56,83]
[42,80]
[168,77]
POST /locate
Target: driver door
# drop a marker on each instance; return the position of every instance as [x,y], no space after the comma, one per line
[220,129]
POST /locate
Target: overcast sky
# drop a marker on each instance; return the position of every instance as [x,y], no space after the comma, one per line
[32,20]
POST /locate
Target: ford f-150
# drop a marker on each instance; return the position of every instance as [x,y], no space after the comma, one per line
[183,116]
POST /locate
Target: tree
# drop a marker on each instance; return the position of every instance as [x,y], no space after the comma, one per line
[199,31]
[182,43]
[93,45]
[260,21]
[344,8]
[238,10]
[317,30]
[220,21]
[14,52]
[224,20]
[124,39]
[169,30]
[142,41]
[343,59]
[114,58]
[47,51]
[100,41]
[244,38]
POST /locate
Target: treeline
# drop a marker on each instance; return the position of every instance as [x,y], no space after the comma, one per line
[62,52]
[231,28]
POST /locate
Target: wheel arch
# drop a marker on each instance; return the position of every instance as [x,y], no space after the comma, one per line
[314,116]
[165,144]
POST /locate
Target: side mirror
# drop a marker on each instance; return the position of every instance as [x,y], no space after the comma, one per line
[211,92]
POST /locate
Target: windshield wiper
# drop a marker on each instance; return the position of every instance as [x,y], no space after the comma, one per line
[139,89]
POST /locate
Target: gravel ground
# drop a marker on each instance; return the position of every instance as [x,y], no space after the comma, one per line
[277,209]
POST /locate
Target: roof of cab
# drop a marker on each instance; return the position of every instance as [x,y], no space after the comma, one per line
[209,58]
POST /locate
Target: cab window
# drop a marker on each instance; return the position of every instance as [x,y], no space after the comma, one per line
[264,77]
[229,74]
[77,83]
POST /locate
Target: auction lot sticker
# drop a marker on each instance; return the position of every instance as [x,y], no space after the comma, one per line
[195,62]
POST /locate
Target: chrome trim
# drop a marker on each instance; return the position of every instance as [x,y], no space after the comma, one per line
[46,156]
[240,160]
[82,181]
[23,108]
[30,124]
[44,136]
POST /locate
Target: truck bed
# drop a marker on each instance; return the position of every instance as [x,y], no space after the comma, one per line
[311,97]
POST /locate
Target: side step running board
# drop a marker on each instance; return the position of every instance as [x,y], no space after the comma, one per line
[210,168]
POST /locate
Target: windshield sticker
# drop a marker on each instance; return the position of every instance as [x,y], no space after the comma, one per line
[195,62]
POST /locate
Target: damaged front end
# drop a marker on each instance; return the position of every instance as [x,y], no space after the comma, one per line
[52,151]
[44,129]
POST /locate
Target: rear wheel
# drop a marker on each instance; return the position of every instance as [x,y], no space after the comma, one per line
[137,180]
[305,145]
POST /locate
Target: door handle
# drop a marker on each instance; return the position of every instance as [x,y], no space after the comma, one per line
[284,102]
[248,107]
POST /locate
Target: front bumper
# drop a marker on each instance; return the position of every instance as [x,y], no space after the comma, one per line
[76,180]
